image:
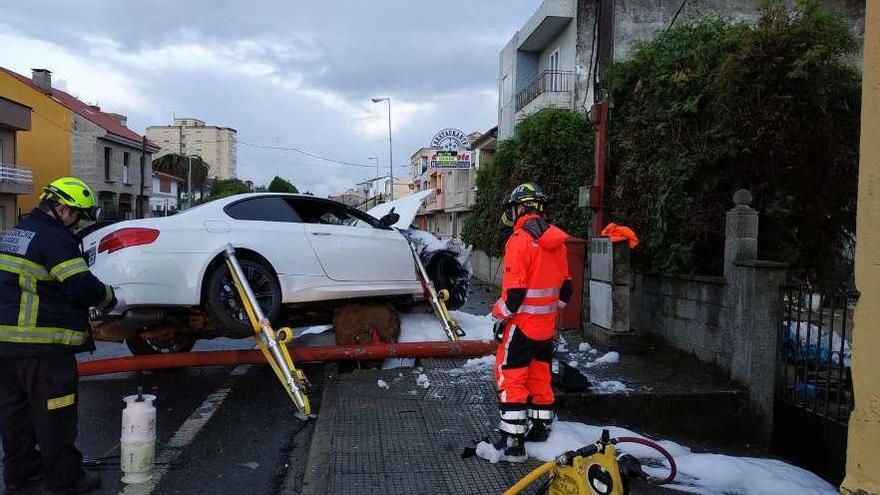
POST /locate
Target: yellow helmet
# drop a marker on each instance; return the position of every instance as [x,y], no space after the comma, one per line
[73,193]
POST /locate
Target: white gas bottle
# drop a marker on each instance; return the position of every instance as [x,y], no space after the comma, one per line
[138,442]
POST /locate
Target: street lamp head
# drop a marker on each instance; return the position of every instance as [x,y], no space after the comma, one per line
[378,100]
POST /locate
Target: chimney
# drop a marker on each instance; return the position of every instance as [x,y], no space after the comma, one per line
[43,79]
[122,119]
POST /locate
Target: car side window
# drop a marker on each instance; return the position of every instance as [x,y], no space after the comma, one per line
[263,208]
[327,213]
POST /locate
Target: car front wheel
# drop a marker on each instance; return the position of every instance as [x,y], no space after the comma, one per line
[223,307]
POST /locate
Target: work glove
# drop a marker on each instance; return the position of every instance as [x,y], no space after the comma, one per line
[498,330]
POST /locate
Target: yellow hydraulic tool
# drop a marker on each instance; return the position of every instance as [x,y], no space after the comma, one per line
[437,299]
[594,470]
[272,344]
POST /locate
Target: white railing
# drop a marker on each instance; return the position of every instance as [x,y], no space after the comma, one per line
[15,173]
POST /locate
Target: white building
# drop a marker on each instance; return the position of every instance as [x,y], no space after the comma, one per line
[165,194]
[216,145]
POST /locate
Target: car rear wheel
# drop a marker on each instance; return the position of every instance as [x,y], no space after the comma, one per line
[447,273]
[223,307]
[180,342]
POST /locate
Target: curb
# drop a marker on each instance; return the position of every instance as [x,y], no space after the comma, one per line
[317,466]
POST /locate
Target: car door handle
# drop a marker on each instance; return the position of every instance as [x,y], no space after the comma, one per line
[321,233]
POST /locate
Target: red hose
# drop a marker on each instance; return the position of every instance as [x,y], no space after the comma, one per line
[673,469]
[461,348]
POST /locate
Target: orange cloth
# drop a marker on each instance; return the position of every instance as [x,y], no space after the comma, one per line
[619,233]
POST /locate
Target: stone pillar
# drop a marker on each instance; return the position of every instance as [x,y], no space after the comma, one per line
[752,319]
[740,231]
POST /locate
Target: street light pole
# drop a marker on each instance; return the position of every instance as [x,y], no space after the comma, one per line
[390,145]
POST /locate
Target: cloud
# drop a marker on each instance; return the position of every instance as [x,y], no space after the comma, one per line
[282,73]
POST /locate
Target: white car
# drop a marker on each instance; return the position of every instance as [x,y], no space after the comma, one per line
[298,252]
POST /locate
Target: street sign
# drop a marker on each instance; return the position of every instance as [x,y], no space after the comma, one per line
[450,160]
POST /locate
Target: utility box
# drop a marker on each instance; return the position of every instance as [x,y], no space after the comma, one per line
[611,281]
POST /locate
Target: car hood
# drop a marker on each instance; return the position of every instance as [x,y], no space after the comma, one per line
[405,207]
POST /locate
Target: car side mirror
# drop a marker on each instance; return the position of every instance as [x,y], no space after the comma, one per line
[389,219]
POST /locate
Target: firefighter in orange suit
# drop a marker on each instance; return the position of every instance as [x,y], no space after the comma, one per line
[535,285]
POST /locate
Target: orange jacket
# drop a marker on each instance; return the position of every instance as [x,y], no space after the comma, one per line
[536,282]
[620,233]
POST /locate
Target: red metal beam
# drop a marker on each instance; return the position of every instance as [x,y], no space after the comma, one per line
[462,348]
[597,192]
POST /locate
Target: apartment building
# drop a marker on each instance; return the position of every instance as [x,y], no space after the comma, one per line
[187,136]
[557,57]
[448,169]
[71,137]
[15,118]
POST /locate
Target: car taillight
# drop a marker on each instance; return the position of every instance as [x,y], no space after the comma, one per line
[127,237]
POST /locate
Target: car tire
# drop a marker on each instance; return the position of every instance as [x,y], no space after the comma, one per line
[223,307]
[448,274]
[181,342]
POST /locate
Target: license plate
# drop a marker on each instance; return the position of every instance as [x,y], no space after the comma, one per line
[90,256]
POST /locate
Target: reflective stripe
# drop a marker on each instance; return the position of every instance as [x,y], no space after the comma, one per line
[561,304]
[27,310]
[66,269]
[512,428]
[41,335]
[513,415]
[502,308]
[21,266]
[538,310]
[59,402]
[544,414]
[108,297]
[548,292]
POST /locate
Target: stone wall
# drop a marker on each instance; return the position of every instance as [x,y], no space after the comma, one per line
[486,268]
[686,312]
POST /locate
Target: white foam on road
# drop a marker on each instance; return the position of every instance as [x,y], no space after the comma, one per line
[704,473]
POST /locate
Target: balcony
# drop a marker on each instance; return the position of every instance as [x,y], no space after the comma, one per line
[435,202]
[552,86]
[15,179]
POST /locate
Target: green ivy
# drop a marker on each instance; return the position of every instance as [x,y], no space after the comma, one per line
[554,148]
[713,106]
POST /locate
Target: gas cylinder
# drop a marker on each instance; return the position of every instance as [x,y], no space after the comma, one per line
[138,441]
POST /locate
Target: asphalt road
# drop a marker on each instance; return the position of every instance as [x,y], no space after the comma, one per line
[220,429]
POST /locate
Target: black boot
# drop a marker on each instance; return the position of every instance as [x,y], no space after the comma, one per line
[86,483]
[539,431]
[512,447]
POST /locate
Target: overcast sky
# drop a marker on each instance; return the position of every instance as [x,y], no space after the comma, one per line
[281,72]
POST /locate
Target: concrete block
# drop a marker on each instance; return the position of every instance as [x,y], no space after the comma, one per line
[685,309]
[709,314]
[601,309]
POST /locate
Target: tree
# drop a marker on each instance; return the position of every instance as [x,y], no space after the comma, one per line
[710,107]
[553,148]
[229,187]
[282,185]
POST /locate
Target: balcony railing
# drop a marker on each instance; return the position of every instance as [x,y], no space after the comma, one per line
[16,173]
[550,81]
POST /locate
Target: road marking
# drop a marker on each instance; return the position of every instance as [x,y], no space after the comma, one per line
[184,436]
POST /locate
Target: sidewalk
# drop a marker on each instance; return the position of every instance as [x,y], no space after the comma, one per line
[408,438]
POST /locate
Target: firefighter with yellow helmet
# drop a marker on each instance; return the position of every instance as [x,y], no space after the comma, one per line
[46,291]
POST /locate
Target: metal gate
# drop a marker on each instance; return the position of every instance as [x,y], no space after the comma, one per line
[814,394]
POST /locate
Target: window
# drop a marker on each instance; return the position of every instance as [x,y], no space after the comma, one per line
[555,81]
[108,154]
[329,213]
[164,185]
[506,89]
[264,208]
[126,161]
